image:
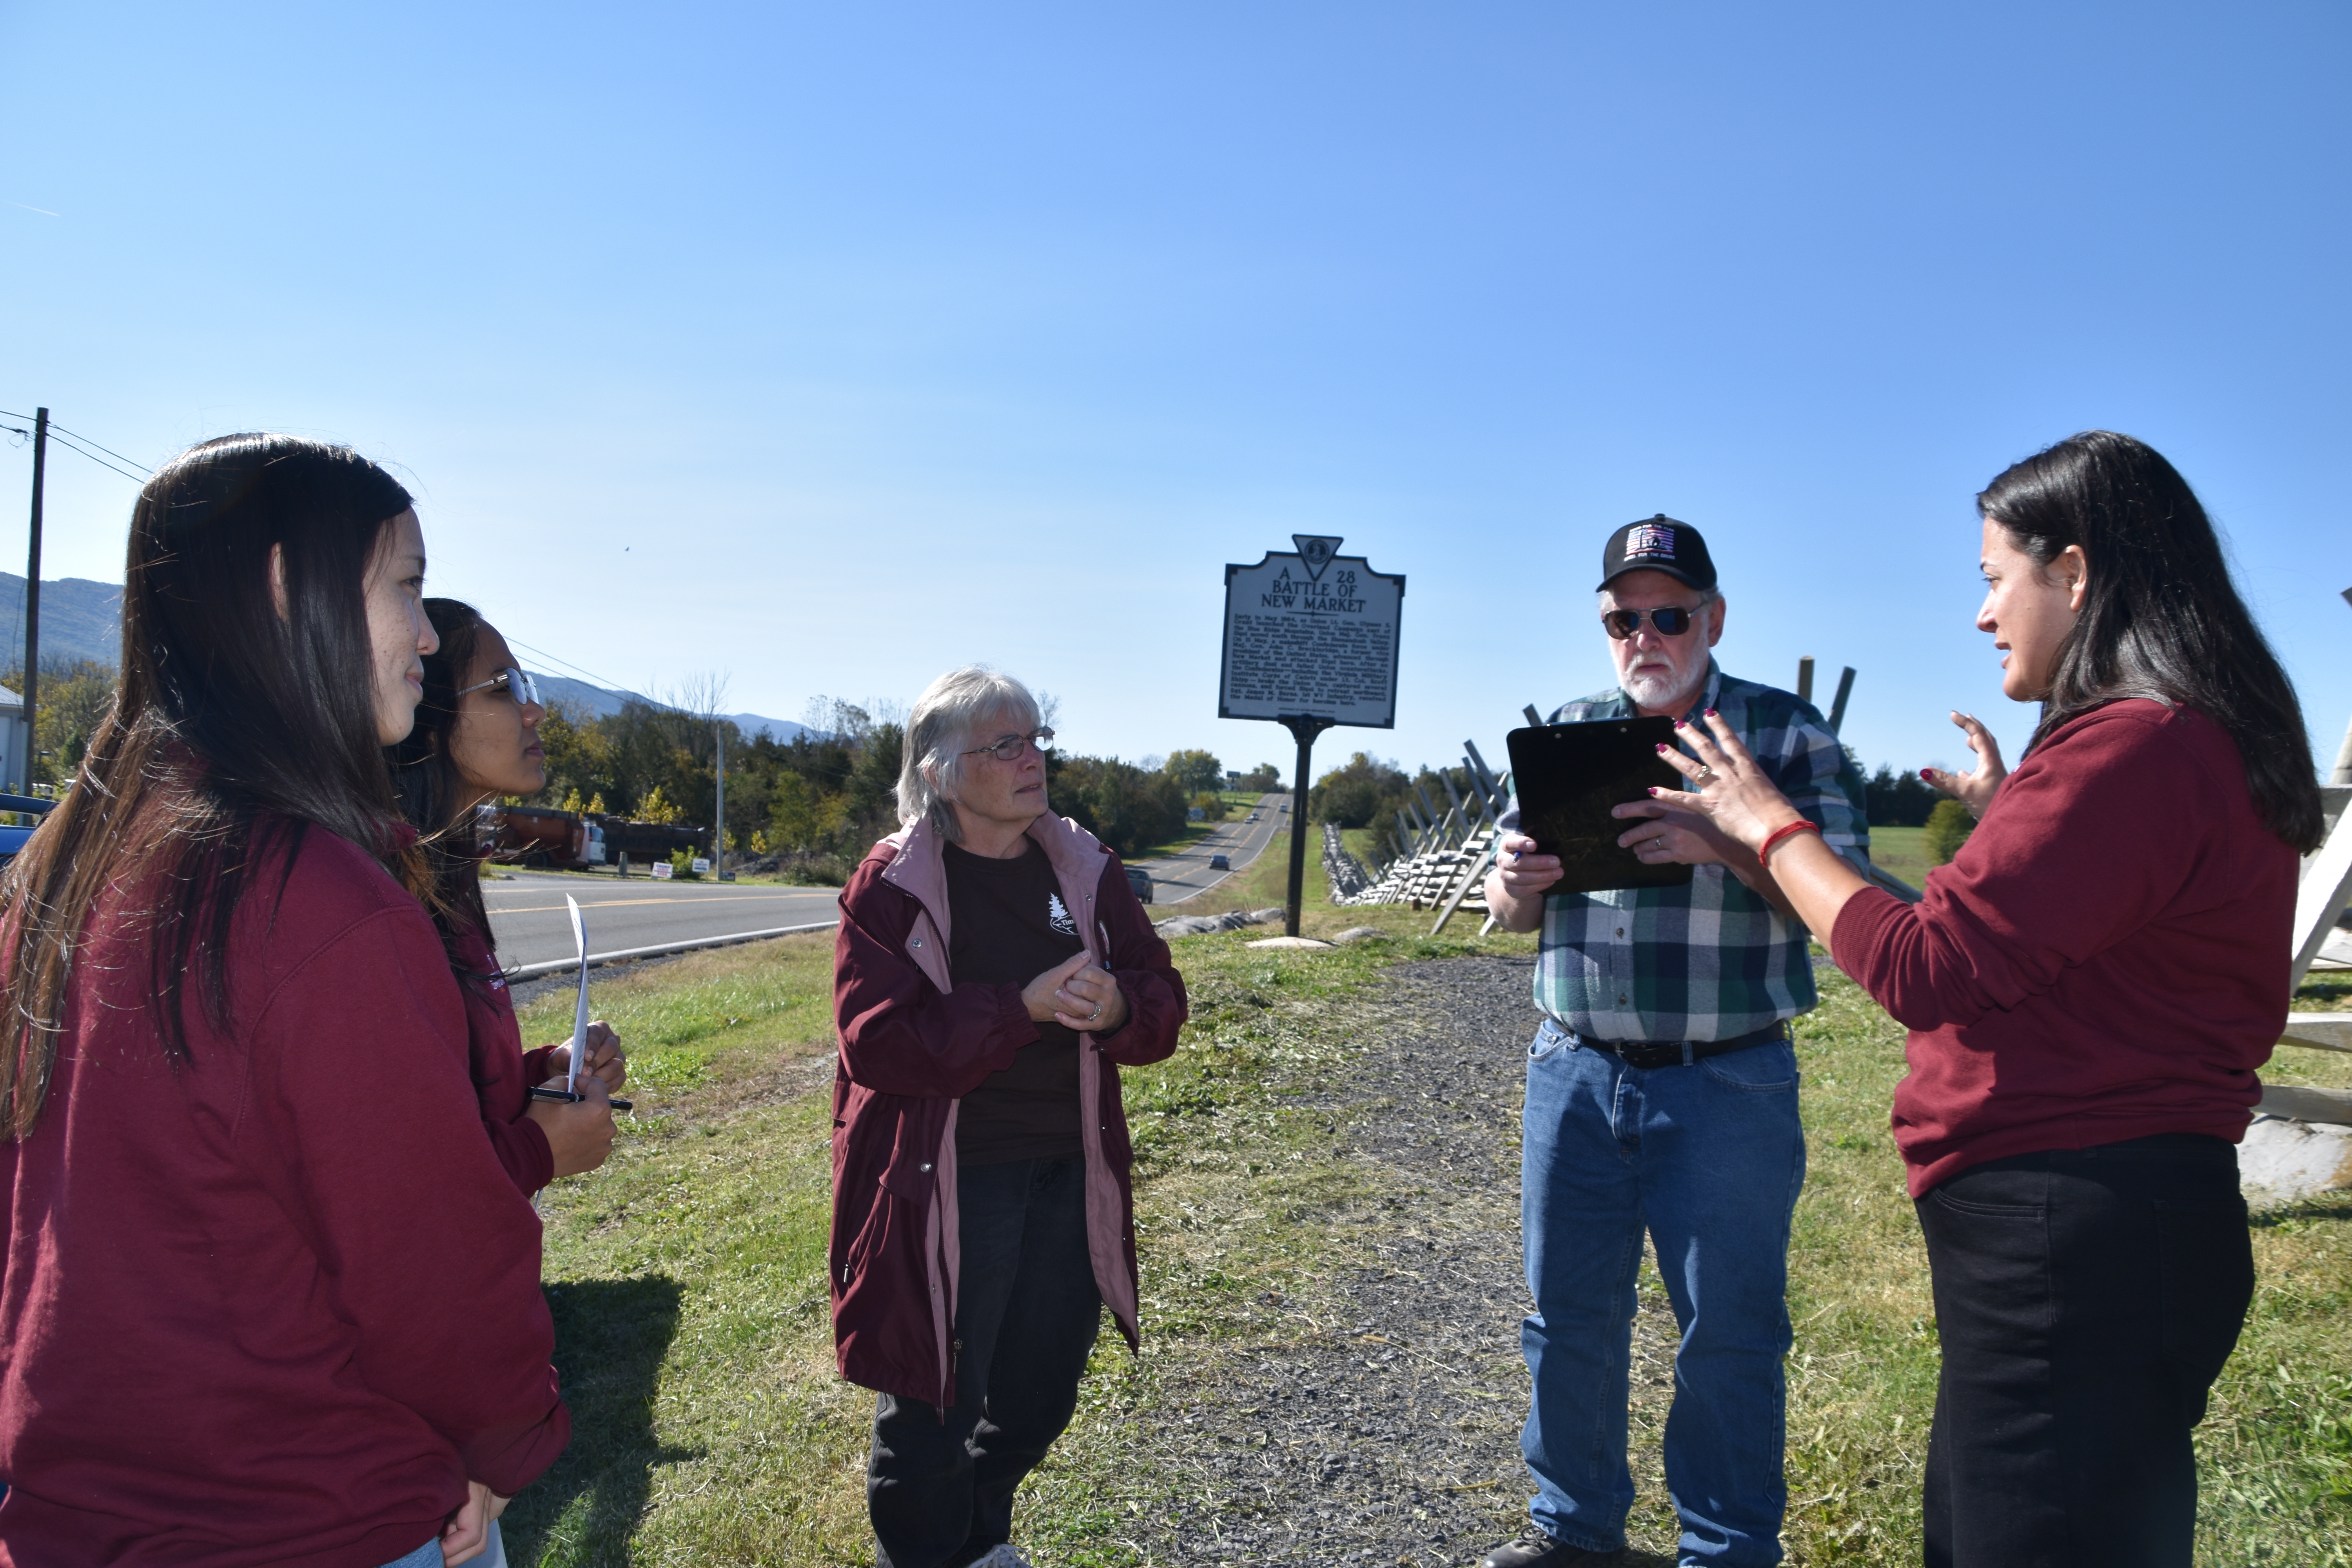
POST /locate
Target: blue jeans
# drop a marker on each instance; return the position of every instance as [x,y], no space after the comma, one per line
[428,1555]
[1708,1157]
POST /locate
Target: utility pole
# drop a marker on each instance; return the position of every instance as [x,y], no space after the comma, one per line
[719,849]
[33,597]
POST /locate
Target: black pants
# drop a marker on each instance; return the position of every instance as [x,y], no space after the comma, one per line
[2086,1299]
[940,1493]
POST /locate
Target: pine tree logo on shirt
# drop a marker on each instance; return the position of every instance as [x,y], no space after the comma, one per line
[1059,917]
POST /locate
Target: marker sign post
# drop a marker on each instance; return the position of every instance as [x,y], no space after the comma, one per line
[1310,642]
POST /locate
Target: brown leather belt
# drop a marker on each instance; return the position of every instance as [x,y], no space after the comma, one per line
[1676,1053]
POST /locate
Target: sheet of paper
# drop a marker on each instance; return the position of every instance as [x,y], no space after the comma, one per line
[580,1012]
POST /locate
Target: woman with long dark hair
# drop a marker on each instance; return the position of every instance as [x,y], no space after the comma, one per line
[266,1297]
[2089,987]
[476,738]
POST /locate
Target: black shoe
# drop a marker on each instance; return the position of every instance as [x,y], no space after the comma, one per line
[1536,1550]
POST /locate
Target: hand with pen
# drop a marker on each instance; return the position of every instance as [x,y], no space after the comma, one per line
[579,1132]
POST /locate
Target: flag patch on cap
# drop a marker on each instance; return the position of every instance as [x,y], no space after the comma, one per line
[1649,541]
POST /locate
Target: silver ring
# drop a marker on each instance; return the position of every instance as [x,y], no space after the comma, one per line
[1095,1014]
[1704,772]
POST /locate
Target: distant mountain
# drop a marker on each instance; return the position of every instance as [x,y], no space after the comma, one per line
[602,700]
[80,619]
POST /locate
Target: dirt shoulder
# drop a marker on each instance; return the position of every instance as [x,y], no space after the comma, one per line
[1374,1417]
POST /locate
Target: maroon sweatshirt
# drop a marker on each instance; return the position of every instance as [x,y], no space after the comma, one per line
[502,1070]
[279,1304]
[2105,958]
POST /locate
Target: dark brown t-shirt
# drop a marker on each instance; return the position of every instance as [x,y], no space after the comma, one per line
[1006,926]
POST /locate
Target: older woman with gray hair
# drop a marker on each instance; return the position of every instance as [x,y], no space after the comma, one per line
[993,972]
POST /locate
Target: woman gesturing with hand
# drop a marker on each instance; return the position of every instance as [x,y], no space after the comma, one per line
[1974,790]
[2089,987]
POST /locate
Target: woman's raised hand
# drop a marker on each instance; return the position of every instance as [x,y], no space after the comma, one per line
[1726,787]
[1973,790]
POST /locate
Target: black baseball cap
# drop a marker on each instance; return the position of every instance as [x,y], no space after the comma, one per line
[1659,544]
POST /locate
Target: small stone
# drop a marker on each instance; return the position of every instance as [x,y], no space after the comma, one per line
[1287,941]
[2283,1160]
[1361,933]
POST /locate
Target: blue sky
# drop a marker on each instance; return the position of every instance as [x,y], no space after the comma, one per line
[827,347]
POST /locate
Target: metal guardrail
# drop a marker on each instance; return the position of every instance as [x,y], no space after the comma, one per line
[557,966]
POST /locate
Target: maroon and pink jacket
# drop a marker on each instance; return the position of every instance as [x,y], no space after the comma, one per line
[913,1044]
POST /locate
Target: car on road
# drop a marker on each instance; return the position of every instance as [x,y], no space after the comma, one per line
[1252,816]
[1219,863]
[1140,880]
[12,839]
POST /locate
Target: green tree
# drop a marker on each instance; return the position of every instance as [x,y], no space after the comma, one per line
[1359,792]
[1948,826]
[657,808]
[1260,778]
[73,698]
[1118,801]
[1195,769]
[793,814]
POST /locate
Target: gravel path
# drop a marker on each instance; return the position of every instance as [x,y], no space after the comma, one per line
[1393,1437]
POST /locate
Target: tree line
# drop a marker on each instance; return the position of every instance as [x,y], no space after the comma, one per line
[815,803]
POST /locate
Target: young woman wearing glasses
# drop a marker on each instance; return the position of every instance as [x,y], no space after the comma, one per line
[2089,987]
[994,970]
[476,738]
[267,1295]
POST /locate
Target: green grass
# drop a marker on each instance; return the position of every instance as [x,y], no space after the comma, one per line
[687,1275]
[1901,850]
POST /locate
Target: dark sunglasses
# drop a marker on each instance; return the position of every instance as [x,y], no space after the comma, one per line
[1671,621]
[519,686]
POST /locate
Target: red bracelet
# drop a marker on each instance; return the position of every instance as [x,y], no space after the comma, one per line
[1772,842]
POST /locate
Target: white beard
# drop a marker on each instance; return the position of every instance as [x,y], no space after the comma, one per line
[1658,689]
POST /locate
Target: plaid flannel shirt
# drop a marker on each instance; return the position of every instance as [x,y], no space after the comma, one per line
[1711,961]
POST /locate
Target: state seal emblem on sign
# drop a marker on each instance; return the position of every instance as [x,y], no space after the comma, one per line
[1650,542]
[1316,550]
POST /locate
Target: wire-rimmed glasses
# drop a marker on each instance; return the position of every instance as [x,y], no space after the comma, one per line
[1009,748]
[518,685]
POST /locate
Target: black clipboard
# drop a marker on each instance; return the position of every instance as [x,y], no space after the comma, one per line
[1567,776]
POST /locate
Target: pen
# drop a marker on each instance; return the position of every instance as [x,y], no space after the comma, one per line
[566,1097]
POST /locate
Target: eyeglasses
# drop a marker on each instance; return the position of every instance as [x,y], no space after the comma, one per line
[520,686]
[1670,620]
[1009,748]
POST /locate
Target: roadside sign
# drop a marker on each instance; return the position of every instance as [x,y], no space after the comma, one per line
[1313,632]
[1310,642]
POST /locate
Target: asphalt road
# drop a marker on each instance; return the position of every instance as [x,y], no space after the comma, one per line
[1178,877]
[532,926]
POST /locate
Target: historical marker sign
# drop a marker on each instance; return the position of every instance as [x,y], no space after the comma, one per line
[1310,642]
[1311,633]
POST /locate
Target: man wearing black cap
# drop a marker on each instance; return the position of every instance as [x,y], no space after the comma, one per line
[1662,1096]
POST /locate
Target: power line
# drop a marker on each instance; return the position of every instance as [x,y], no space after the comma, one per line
[101,462]
[605,681]
[108,451]
[68,439]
